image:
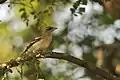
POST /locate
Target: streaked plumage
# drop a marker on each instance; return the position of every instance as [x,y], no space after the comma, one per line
[41,43]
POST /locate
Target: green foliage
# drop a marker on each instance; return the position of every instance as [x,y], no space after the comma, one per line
[42,13]
[2,1]
[105,19]
[78,3]
[3,29]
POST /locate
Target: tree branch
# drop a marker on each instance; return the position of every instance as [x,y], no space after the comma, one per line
[89,66]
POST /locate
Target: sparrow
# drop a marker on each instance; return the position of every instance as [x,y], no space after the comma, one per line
[41,43]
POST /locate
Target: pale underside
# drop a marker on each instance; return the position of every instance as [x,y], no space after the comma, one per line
[42,44]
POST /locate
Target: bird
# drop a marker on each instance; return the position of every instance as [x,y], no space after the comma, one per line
[40,43]
[112,7]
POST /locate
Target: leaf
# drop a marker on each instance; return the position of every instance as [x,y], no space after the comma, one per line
[32,13]
[72,10]
[24,15]
[22,9]
[81,10]
[2,1]
[32,0]
[76,4]
[84,2]
[75,15]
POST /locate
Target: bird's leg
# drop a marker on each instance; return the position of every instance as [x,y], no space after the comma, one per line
[39,51]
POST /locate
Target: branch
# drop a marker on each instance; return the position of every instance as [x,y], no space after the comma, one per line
[89,66]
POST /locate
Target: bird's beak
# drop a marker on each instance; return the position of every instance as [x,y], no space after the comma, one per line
[54,28]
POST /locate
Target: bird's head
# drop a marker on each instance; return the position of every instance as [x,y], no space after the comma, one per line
[49,30]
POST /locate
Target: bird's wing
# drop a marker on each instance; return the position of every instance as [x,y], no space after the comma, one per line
[31,43]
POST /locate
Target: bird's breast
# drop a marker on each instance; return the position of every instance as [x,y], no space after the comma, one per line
[43,44]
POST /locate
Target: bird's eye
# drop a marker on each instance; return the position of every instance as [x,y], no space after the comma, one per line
[50,28]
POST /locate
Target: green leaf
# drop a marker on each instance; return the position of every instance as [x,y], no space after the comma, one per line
[22,9]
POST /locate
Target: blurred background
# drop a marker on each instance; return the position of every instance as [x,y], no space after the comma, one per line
[85,30]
